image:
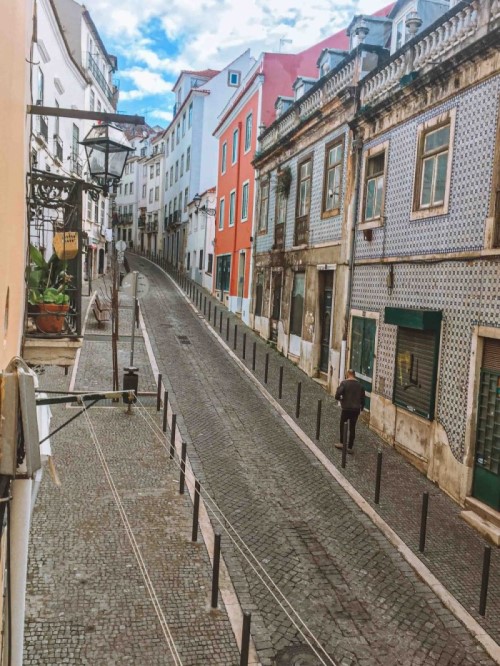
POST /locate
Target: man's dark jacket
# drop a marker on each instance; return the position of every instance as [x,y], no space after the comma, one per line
[351,394]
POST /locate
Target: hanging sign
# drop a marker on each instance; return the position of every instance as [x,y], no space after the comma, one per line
[65,244]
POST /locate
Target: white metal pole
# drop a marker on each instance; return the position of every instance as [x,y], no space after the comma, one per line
[19,538]
[343,350]
[134,292]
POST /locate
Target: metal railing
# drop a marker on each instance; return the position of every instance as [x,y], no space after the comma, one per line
[141,222]
[279,236]
[125,218]
[58,148]
[75,165]
[43,127]
[93,66]
[152,227]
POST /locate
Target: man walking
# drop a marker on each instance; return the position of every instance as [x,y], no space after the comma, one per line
[352,398]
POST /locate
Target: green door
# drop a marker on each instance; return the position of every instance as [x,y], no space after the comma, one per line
[363,352]
[486,486]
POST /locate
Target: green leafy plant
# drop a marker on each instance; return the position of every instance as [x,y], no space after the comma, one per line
[284,181]
[47,280]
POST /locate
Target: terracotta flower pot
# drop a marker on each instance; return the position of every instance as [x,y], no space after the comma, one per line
[51,317]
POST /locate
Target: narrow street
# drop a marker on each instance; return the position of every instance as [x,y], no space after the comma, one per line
[353,591]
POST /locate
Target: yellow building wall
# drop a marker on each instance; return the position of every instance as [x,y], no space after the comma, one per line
[15,36]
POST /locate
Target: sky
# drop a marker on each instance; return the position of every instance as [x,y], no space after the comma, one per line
[155,39]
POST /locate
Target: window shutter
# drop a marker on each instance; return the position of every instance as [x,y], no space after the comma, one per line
[491,354]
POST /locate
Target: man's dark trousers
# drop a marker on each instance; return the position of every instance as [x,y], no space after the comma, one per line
[350,415]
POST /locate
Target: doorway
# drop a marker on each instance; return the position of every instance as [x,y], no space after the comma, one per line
[325,311]
[363,352]
[486,484]
[101,262]
[241,281]
[276,304]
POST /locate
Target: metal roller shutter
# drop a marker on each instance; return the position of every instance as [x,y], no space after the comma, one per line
[491,354]
[415,380]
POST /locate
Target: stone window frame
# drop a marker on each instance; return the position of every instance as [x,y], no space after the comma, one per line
[300,164]
[435,123]
[374,223]
[244,214]
[337,141]
[263,224]
[223,158]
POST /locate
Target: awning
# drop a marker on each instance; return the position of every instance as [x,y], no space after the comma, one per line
[422,320]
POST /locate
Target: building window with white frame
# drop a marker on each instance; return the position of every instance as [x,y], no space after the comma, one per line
[131,188]
[304,188]
[151,171]
[182,165]
[188,158]
[157,168]
[333,177]
[234,153]
[432,167]
[151,195]
[232,208]
[248,132]
[144,191]
[190,115]
[222,207]
[184,123]
[244,201]
[223,159]
[157,193]
[233,78]
[186,197]
[263,205]
[374,186]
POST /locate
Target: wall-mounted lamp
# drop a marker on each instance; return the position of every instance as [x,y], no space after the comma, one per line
[202,209]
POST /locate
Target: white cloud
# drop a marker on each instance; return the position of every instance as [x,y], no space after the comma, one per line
[146,83]
[162,115]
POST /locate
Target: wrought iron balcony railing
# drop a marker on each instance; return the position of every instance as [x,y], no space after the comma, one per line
[43,128]
[141,222]
[125,218]
[75,165]
[58,148]
[93,66]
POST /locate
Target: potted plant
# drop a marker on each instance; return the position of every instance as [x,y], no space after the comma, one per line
[47,297]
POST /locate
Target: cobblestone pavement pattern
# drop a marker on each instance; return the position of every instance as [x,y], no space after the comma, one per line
[360,599]
[87,602]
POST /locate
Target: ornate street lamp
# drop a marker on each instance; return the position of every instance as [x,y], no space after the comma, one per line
[107,150]
[204,209]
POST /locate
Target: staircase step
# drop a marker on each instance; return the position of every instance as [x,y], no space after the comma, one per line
[484,527]
[486,512]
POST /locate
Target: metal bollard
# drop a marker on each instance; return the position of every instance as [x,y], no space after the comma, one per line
[485,580]
[220,324]
[378,477]
[172,435]
[182,477]
[204,305]
[165,410]
[245,639]
[318,420]
[423,521]
[280,385]
[254,355]
[244,352]
[227,329]
[266,368]
[196,510]
[215,316]
[209,311]
[158,394]
[215,571]
[235,341]
[344,446]
[297,404]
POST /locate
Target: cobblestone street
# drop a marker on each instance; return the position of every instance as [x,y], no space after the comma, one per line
[358,597]
[101,592]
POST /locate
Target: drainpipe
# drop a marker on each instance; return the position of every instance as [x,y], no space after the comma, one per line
[357,146]
[236,209]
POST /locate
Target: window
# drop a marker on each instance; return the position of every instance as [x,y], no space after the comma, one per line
[244,201]
[259,294]
[304,189]
[172,143]
[92,100]
[157,168]
[143,152]
[363,348]
[210,263]
[144,191]
[101,219]
[182,165]
[248,132]
[399,34]
[432,168]
[132,167]
[416,369]
[99,106]
[151,171]
[374,186]
[222,206]
[190,115]
[171,176]
[96,212]
[233,78]
[131,188]
[281,208]
[151,195]
[119,211]
[126,189]
[184,123]
[40,88]
[145,171]
[180,202]
[223,272]
[223,161]
[232,207]
[89,207]
[297,310]
[177,171]
[175,205]
[157,193]
[189,261]
[200,265]
[177,133]
[263,205]
[234,153]
[186,197]
[188,158]
[333,177]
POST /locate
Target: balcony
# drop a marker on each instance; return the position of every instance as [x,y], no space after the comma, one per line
[141,222]
[75,165]
[43,129]
[125,219]
[301,232]
[279,237]
[152,227]
[58,148]
[94,68]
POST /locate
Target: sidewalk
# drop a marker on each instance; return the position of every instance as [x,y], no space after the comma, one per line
[113,575]
[454,551]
